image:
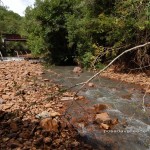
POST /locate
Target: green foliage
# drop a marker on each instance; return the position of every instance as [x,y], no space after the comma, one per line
[9,21]
[85,29]
[44,25]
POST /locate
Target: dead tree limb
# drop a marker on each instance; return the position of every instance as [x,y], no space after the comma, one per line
[98,73]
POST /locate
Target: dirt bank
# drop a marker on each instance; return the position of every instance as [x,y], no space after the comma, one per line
[140,79]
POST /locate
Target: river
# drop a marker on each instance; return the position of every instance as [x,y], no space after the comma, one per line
[125,101]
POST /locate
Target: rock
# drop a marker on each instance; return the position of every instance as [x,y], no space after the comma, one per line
[77,70]
[47,140]
[104,126]
[103,118]
[60,105]
[49,124]
[7,106]
[115,121]
[54,114]
[26,73]
[91,84]
[81,125]
[81,98]
[40,73]
[100,107]
[43,115]
[2,101]
[68,94]
[20,92]
[38,141]
[5,97]
[46,80]
[48,105]
[75,144]
[15,144]
[24,135]
[67,98]
[13,126]
[127,96]
[5,139]
[63,124]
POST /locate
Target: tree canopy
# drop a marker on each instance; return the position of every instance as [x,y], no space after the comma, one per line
[10,23]
[82,30]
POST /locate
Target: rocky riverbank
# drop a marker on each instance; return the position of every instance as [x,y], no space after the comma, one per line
[140,79]
[30,117]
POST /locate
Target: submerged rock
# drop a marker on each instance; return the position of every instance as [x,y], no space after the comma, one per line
[43,115]
[77,70]
[103,118]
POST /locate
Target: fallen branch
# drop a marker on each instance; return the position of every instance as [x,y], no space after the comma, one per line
[126,51]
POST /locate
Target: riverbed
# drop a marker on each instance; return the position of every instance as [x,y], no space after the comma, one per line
[125,101]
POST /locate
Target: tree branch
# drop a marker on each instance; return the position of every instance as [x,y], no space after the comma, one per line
[126,51]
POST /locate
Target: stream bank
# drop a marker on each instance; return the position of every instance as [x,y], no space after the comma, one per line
[141,80]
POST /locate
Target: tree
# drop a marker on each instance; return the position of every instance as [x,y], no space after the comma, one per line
[86,29]
[9,23]
[46,29]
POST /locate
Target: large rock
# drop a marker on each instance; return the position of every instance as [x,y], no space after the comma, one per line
[5,97]
[77,70]
[49,124]
[103,118]
[2,101]
[43,115]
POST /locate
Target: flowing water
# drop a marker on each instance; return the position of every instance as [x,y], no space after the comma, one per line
[125,101]
[11,59]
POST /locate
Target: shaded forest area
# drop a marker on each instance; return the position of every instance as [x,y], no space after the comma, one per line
[84,32]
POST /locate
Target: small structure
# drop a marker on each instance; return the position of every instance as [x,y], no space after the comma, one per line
[11,37]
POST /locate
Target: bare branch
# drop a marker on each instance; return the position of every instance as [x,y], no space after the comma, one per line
[126,51]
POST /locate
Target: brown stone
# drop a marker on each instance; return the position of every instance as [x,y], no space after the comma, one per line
[47,140]
[67,98]
[60,105]
[13,126]
[103,118]
[46,80]
[49,124]
[15,144]
[25,135]
[7,106]
[75,143]
[5,97]
[147,105]
[2,101]
[115,121]
[77,70]
[104,126]
[54,114]
[48,105]
[81,98]
[91,84]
